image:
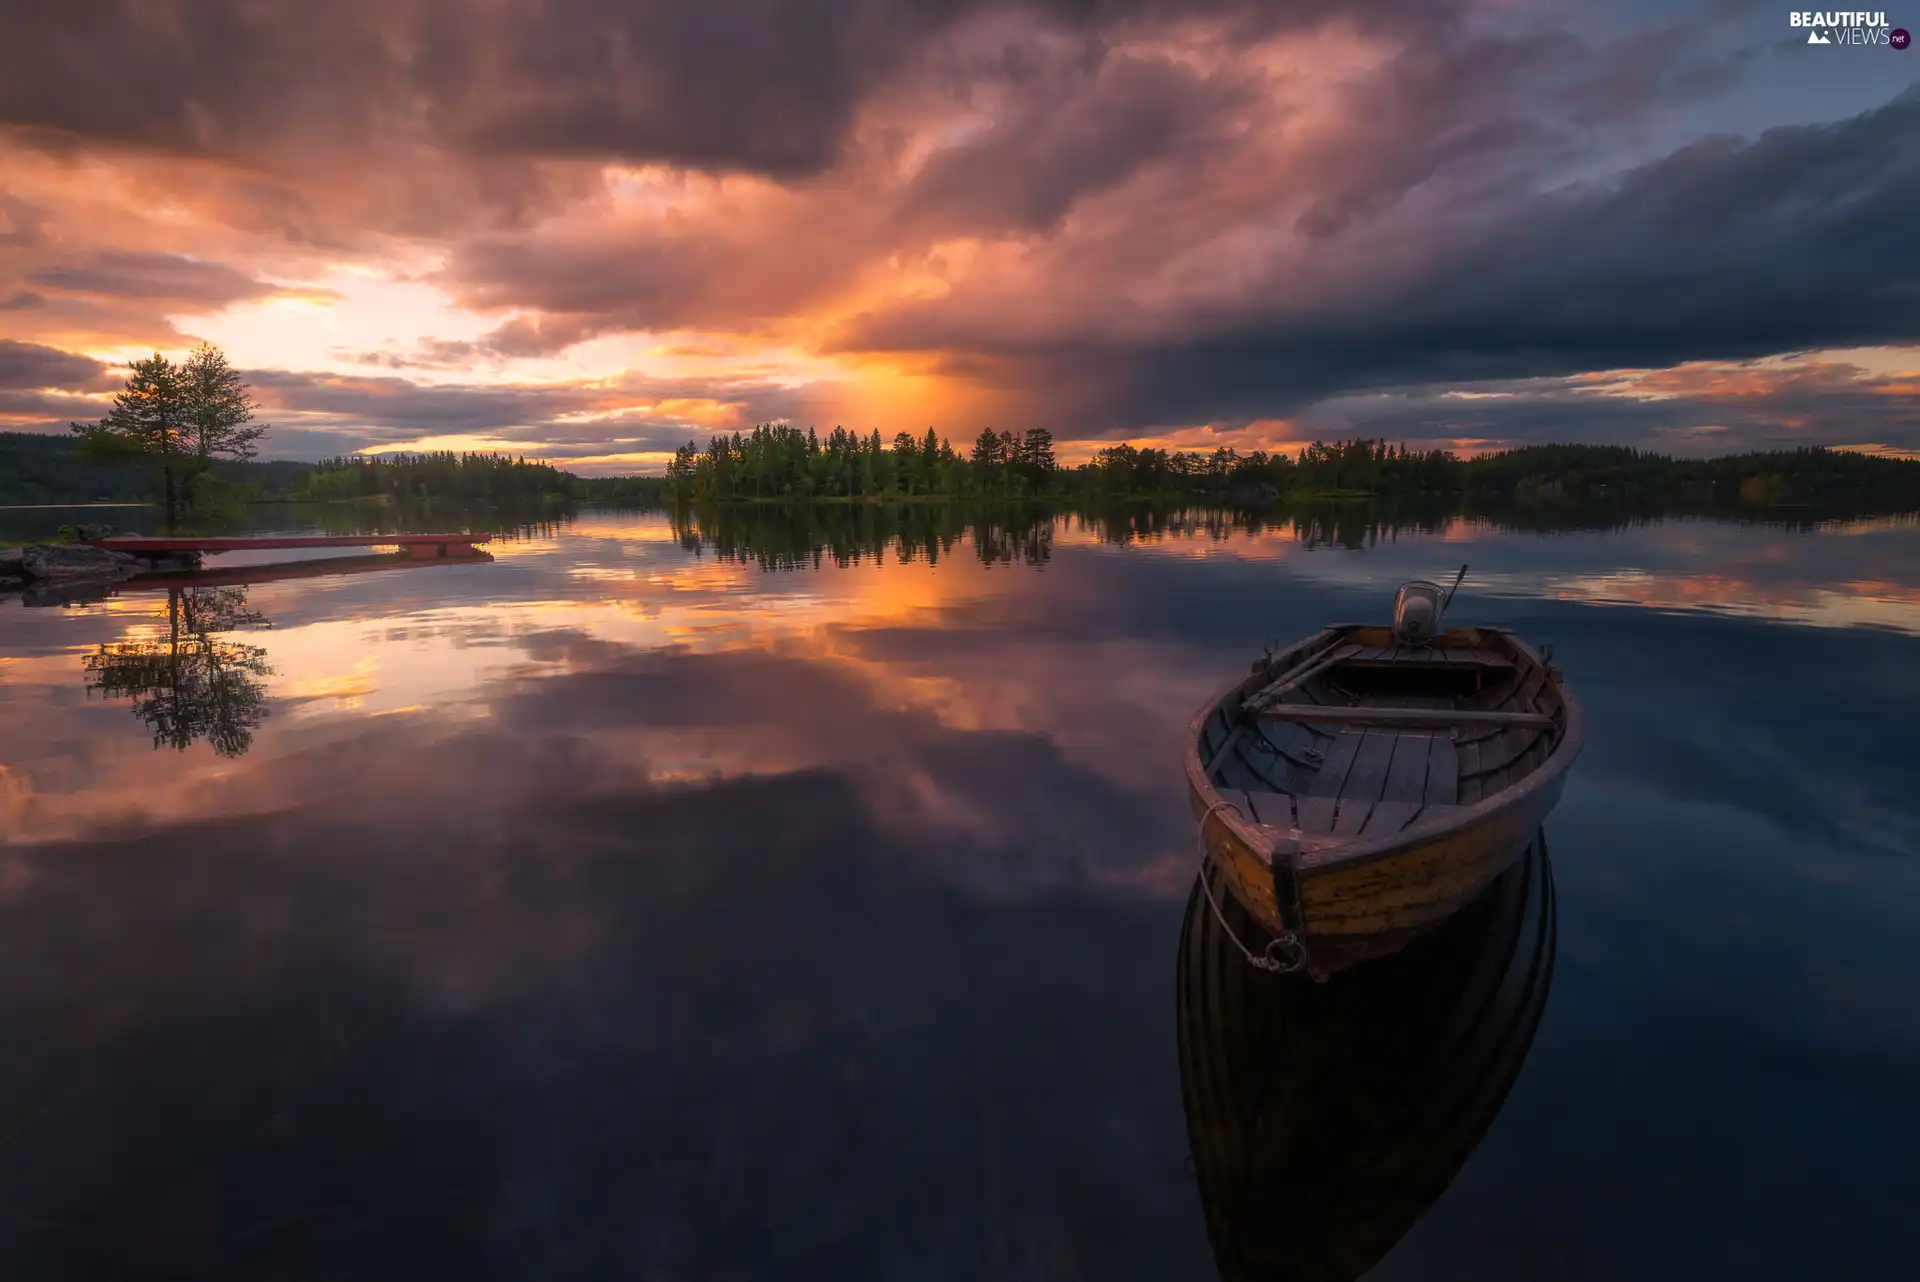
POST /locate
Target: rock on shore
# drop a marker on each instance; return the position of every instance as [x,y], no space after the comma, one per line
[78,561]
[41,565]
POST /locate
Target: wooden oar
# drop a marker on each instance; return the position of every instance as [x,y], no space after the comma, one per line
[1293,680]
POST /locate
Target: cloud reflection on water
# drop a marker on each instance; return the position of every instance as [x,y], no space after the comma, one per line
[683,915]
[1095,661]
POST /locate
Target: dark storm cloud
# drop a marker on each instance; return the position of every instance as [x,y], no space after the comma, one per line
[1725,250]
[1069,121]
[1450,106]
[413,407]
[30,365]
[1080,129]
[1065,122]
[1688,410]
[169,277]
[634,280]
[764,85]
[1661,65]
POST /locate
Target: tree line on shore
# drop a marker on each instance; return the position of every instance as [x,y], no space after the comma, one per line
[445,474]
[44,469]
[775,462]
[783,465]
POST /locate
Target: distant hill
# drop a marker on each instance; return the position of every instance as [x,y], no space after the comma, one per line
[36,468]
[43,469]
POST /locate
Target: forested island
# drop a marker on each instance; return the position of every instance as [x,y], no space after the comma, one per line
[777,464]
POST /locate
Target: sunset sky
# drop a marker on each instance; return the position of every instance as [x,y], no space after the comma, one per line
[589,230]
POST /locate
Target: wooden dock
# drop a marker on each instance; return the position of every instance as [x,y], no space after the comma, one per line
[419,546]
[316,568]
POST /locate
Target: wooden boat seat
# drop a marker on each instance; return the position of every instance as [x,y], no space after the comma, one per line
[1479,661]
[1362,715]
[1374,656]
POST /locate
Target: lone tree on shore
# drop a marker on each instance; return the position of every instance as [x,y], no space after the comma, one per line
[180,418]
[219,412]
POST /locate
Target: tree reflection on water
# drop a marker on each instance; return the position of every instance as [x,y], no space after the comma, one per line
[798,536]
[790,536]
[192,683]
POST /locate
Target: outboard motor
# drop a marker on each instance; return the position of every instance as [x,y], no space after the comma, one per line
[1416,612]
[1417,608]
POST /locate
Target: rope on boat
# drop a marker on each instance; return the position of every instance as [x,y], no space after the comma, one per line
[1285,954]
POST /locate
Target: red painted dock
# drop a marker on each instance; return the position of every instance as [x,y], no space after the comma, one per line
[421,546]
[317,568]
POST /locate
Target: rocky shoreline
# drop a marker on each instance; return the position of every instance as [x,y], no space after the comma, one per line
[51,573]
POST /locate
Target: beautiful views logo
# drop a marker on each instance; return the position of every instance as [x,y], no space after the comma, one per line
[1830,28]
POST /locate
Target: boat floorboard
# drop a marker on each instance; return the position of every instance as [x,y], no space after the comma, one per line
[1407,776]
[1374,780]
[1274,809]
[1238,799]
[1339,759]
[1443,772]
[1469,790]
[1264,767]
[1389,817]
[1364,781]
[1316,814]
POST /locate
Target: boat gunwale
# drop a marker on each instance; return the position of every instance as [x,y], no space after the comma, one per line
[1320,853]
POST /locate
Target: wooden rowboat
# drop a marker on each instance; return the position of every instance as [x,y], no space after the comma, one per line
[1355,790]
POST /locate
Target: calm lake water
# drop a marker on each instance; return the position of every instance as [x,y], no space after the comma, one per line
[732,902]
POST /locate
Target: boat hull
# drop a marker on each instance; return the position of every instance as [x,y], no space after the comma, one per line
[1348,897]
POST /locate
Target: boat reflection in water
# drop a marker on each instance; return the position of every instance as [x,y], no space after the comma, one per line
[1325,1118]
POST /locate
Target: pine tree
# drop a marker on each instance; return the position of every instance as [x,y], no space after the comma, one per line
[1038,451]
[219,409]
[149,420]
[986,449]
